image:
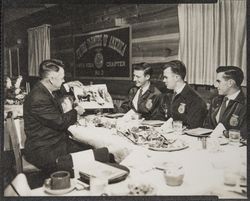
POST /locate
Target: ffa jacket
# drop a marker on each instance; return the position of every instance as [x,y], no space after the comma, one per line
[146,104]
[234,116]
[186,106]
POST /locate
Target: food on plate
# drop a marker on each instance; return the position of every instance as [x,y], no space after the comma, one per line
[140,189]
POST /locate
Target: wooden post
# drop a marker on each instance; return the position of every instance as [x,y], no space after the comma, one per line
[10,62]
[18,66]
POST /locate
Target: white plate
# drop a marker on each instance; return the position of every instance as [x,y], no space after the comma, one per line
[223,141]
[153,122]
[117,115]
[61,191]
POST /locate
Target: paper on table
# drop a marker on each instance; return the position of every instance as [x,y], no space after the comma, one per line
[80,159]
[218,131]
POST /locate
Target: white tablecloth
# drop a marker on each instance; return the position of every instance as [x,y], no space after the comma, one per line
[203,168]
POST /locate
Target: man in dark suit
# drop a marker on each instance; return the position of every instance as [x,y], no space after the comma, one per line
[46,124]
[229,107]
[142,98]
[185,104]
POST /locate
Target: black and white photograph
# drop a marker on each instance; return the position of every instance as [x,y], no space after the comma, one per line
[139,100]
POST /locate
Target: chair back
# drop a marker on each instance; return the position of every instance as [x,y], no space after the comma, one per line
[10,124]
[18,187]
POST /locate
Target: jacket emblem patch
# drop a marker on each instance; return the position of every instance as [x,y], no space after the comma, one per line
[234,120]
[181,108]
[149,104]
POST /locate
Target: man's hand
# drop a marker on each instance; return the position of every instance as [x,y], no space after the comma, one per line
[80,110]
[74,84]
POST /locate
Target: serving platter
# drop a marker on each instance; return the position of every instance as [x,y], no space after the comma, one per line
[175,146]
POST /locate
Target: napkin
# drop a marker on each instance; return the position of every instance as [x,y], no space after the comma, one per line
[218,131]
[168,125]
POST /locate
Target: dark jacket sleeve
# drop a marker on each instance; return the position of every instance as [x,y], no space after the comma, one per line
[127,103]
[46,113]
[162,107]
[196,114]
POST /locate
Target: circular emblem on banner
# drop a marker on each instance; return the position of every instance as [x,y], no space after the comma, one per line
[234,121]
[98,60]
[181,108]
[149,104]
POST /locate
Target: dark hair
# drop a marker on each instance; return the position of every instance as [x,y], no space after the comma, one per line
[49,65]
[177,67]
[231,72]
[145,67]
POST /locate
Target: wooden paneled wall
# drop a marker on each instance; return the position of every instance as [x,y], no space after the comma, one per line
[155,34]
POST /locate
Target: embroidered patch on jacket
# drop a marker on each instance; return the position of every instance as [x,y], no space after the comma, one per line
[234,120]
[149,104]
[181,108]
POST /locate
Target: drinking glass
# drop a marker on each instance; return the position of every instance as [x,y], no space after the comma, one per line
[234,136]
[98,185]
[177,126]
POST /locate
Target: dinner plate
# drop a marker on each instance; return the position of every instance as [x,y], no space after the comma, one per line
[168,149]
[152,122]
[117,115]
[171,147]
[223,141]
[61,191]
[198,132]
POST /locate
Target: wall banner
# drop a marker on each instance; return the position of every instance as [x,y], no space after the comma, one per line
[104,54]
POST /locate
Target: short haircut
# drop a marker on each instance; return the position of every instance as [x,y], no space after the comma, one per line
[145,67]
[50,65]
[177,67]
[231,72]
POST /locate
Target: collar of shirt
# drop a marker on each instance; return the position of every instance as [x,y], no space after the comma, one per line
[144,88]
[179,90]
[233,96]
[136,97]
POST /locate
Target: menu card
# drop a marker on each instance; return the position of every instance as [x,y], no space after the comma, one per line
[98,169]
[93,96]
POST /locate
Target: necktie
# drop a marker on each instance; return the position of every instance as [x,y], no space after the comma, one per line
[223,107]
[140,94]
[174,94]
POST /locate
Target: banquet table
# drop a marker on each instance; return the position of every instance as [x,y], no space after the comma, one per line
[204,169]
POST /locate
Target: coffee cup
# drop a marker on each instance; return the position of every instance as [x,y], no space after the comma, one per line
[58,180]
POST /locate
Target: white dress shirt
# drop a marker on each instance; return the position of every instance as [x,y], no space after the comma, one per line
[230,97]
[136,98]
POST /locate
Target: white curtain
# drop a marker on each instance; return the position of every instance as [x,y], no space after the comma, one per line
[38,47]
[212,35]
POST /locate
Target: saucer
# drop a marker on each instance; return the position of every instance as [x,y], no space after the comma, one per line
[61,191]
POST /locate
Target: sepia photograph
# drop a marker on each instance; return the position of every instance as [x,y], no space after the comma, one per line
[131,100]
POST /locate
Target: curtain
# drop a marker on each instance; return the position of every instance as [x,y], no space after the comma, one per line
[38,47]
[212,35]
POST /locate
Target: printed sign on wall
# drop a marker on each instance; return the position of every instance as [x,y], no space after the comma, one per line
[103,54]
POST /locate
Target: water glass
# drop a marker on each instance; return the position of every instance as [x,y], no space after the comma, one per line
[230,177]
[98,185]
[234,136]
[177,126]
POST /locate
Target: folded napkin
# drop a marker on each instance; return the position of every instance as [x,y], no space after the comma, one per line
[218,131]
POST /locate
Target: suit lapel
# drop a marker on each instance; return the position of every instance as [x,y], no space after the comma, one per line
[50,96]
